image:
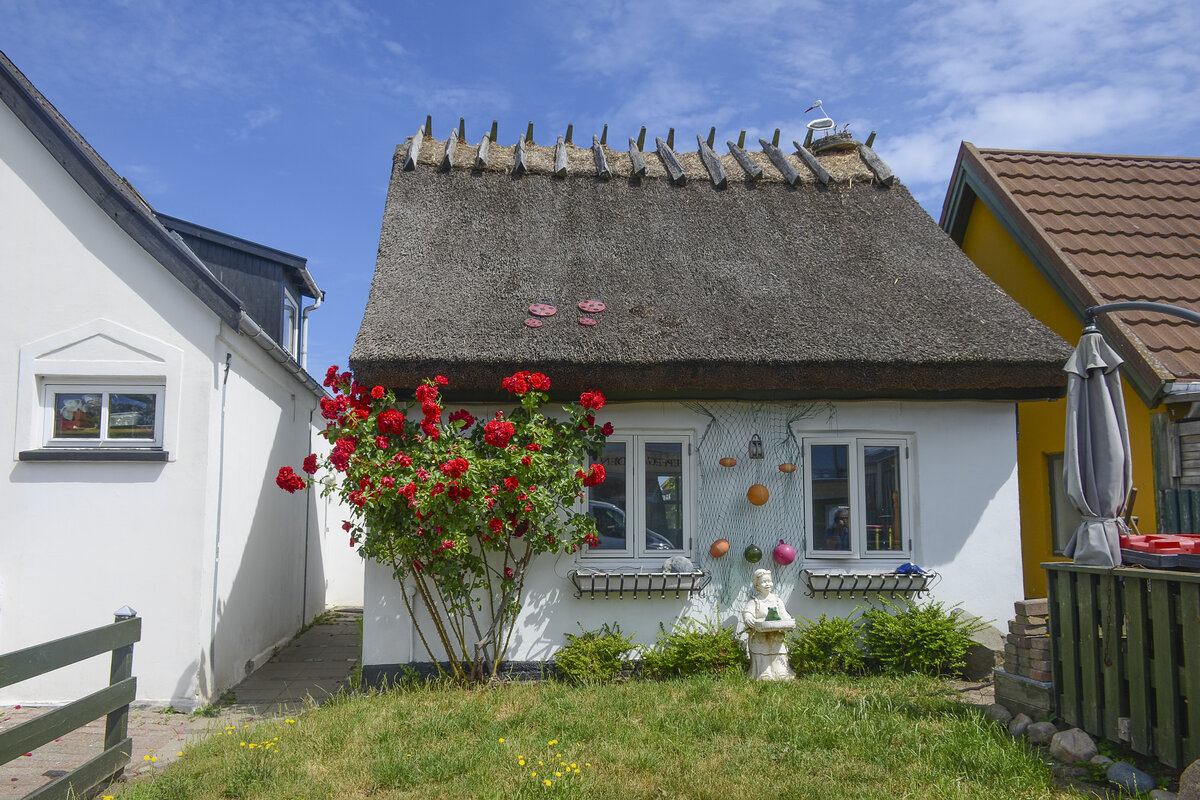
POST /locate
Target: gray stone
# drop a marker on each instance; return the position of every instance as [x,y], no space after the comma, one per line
[1072,746]
[1018,725]
[1162,794]
[1129,777]
[1100,760]
[1189,782]
[998,713]
[1040,732]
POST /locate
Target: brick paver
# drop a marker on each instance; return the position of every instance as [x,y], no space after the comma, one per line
[316,665]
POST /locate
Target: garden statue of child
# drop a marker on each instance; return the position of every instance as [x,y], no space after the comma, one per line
[767,622]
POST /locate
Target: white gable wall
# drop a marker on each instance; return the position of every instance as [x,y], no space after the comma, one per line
[963,505]
[80,540]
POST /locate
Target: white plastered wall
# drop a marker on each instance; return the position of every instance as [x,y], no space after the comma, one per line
[81,539]
[964,516]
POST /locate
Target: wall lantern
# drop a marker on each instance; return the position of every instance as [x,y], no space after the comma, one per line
[756,450]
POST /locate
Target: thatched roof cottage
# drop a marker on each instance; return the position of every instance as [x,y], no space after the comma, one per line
[798,301]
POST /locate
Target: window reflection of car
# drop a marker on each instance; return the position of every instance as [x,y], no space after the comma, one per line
[610,527]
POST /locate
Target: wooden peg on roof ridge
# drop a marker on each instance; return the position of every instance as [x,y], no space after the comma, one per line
[671,138]
[870,139]
[602,170]
[742,139]
[641,140]
[448,158]
[743,158]
[560,159]
[635,158]
[414,150]
[570,130]
[604,136]
[712,163]
[429,125]
[481,155]
[529,133]
[519,165]
[712,136]
[808,138]
[495,130]
[775,138]
[811,162]
[462,129]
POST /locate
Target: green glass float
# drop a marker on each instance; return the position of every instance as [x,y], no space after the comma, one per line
[753,554]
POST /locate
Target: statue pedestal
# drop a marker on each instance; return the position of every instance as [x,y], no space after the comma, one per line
[768,650]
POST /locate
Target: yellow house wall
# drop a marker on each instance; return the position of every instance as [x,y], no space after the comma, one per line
[1041,424]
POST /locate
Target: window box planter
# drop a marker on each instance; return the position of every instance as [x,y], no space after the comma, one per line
[619,583]
[837,582]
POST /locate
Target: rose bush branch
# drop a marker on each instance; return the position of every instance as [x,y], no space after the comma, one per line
[460,509]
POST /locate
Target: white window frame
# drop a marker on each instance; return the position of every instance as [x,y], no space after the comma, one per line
[105,390]
[635,497]
[289,329]
[857,444]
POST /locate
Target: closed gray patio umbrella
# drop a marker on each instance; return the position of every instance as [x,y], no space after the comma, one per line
[1097,468]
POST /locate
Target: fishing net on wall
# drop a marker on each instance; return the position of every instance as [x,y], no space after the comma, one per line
[725,511]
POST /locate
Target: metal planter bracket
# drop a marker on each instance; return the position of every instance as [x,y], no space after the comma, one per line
[595,583]
[851,582]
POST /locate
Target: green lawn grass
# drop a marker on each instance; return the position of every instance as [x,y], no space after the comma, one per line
[697,738]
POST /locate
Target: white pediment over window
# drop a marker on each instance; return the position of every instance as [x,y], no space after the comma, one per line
[97,352]
[100,347]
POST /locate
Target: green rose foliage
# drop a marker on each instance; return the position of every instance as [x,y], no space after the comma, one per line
[461,506]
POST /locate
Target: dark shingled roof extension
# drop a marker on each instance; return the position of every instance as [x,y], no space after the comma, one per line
[759,290]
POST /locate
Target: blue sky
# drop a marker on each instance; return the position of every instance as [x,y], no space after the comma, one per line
[277,121]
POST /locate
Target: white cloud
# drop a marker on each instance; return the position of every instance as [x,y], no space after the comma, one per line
[257,119]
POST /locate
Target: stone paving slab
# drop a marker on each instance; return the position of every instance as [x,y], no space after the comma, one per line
[324,657]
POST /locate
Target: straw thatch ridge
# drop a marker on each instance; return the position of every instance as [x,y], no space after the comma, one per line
[760,290]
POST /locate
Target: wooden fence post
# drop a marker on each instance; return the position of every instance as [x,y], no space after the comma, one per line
[116,726]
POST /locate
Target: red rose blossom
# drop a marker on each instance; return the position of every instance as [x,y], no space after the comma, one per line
[595,477]
[440,380]
[310,463]
[592,400]
[607,430]
[289,481]
[498,432]
[378,392]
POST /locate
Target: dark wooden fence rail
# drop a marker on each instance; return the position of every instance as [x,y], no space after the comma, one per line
[1126,645]
[112,701]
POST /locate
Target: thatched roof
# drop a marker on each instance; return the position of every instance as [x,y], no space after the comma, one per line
[758,290]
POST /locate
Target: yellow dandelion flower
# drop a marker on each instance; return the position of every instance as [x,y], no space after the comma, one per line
[576,772]
[145,758]
[587,763]
[276,739]
[548,783]
[552,742]
[558,755]
[289,721]
[501,740]
[521,763]
[179,753]
[558,774]
[562,763]
[533,774]
[540,764]
[153,759]
[243,744]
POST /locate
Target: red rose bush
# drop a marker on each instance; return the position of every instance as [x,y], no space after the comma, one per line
[460,509]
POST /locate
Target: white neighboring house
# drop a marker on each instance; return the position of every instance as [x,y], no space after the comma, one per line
[154,383]
[791,310]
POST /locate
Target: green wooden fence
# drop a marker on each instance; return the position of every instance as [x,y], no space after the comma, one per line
[112,701]
[1179,510]
[1126,645]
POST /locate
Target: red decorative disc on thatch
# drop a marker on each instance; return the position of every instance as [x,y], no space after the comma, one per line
[533,322]
[588,321]
[542,310]
[592,306]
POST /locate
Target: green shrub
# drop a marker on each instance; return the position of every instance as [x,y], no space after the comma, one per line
[829,645]
[594,656]
[929,639]
[693,648]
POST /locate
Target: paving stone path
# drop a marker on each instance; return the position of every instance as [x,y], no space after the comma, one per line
[314,665]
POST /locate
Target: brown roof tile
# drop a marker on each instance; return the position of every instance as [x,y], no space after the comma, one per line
[1127,226]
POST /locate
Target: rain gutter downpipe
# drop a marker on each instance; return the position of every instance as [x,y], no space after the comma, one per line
[304,329]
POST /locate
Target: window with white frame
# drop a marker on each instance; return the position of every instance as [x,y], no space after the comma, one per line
[290,330]
[116,416]
[858,494]
[644,506]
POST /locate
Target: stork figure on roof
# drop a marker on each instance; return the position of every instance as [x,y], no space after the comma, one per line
[822,123]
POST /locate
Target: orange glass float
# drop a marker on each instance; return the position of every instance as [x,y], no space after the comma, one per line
[728,462]
[787,467]
[757,494]
[719,548]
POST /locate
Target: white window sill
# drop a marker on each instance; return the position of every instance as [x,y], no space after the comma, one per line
[93,454]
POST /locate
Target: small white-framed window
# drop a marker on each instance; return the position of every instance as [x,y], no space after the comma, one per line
[113,416]
[290,329]
[859,497]
[644,508]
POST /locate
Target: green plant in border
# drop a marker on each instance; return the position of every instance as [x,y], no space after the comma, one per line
[929,639]
[456,509]
[597,656]
[829,645]
[695,648]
